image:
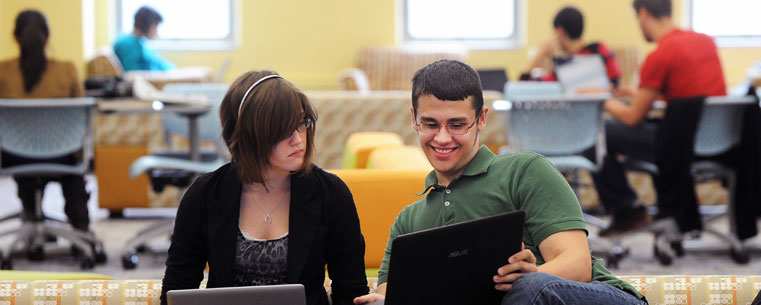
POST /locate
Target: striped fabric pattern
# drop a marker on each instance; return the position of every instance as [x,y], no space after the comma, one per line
[393,68]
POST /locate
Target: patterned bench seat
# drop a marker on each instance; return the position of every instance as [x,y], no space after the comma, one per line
[659,289]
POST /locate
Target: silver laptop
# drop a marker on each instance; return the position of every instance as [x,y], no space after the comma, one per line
[290,294]
[583,72]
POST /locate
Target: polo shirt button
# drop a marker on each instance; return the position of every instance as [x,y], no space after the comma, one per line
[448,191]
[446,203]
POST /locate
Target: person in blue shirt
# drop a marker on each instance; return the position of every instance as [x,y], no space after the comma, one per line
[130,48]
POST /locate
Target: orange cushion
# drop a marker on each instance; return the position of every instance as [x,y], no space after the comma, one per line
[379,196]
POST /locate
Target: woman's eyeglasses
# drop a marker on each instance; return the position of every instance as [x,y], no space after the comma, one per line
[304,125]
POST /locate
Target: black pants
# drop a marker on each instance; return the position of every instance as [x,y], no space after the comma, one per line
[73,187]
[633,142]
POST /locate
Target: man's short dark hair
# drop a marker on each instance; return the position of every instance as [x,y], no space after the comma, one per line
[571,21]
[448,80]
[145,17]
[656,8]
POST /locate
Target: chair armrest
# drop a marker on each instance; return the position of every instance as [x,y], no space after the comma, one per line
[148,163]
[356,77]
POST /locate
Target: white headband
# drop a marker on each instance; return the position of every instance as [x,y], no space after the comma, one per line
[243,100]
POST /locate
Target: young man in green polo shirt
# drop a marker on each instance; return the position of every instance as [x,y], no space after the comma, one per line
[470,182]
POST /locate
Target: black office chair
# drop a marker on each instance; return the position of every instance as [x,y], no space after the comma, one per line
[692,134]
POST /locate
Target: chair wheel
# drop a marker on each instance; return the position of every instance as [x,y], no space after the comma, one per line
[6,264]
[129,261]
[35,253]
[87,263]
[100,257]
[739,256]
[612,262]
[663,258]
[141,249]
[677,247]
[99,252]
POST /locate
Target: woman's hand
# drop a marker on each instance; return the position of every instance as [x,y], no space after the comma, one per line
[369,298]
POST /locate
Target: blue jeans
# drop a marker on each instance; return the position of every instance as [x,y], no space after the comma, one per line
[542,288]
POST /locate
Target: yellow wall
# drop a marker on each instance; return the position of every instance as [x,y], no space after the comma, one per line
[65,22]
[310,42]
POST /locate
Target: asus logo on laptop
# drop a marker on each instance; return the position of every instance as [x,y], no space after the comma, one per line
[458,253]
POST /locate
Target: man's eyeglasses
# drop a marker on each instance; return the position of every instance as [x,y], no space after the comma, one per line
[452,128]
[304,125]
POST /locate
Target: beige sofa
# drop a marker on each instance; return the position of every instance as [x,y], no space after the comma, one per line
[665,289]
[391,68]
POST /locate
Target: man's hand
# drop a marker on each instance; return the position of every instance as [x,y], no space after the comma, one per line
[624,92]
[369,298]
[591,90]
[518,264]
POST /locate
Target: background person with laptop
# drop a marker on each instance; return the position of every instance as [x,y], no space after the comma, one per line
[130,48]
[567,43]
[469,182]
[270,216]
[685,64]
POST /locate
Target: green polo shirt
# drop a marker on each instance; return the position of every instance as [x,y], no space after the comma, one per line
[491,185]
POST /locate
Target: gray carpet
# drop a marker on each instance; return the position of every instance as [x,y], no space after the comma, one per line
[115,232]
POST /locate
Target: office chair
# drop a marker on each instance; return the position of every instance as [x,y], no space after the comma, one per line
[561,128]
[45,129]
[717,131]
[176,168]
[529,90]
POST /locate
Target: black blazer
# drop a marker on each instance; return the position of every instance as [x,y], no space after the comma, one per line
[324,229]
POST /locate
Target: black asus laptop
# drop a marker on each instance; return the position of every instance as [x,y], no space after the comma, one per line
[453,264]
[290,294]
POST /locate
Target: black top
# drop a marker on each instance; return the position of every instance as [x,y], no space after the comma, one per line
[324,229]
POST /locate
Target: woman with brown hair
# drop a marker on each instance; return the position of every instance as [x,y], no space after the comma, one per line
[34,75]
[270,216]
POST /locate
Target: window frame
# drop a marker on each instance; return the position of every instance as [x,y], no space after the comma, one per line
[515,41]
[735,41]
[230,42]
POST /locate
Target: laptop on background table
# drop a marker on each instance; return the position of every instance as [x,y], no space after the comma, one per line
[582,72]
[291,294]
[453,264]
[493,79]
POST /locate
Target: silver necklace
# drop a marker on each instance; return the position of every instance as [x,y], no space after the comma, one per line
[267,217]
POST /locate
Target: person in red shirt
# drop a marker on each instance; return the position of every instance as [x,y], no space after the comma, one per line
[569,25]
[684,64]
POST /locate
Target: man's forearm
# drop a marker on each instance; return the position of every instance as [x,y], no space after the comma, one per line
[577,268]
[633,113]
[622,112]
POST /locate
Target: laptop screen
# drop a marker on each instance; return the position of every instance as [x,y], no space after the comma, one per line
[583,72]
[493,79]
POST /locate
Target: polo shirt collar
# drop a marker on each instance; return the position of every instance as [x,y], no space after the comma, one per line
[479,165]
